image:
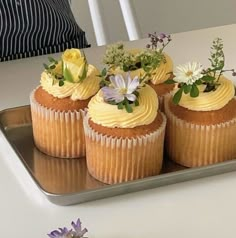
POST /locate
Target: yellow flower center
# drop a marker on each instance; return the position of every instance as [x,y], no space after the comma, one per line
[123,90]
[189,73]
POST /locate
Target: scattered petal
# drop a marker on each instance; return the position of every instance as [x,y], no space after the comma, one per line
[65,233]
[131,97]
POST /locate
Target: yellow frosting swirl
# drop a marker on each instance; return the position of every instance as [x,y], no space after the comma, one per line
[108,115]
[76,91]
[160,74]
[208,101]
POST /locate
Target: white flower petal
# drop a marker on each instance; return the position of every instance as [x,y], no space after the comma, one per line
[133,85]
[119,98]
[120,88]
[131,97]
[120,82]
[128,80]
[113,81]
[111,94]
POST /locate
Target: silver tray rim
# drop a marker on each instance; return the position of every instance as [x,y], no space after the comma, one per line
[126,187]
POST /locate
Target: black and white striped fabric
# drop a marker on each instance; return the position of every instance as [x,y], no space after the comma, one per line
[36,27]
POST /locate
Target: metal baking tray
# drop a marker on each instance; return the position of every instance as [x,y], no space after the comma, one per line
[67,181]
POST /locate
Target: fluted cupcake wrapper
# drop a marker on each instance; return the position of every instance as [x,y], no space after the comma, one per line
[56,133]
[162,101]
[194,145]
[114,160]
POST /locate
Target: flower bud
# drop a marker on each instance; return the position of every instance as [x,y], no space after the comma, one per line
[74,63]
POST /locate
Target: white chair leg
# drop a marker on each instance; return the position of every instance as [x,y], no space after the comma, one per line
[130,19]
[99,25]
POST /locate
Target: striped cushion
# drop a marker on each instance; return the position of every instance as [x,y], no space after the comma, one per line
[36,27]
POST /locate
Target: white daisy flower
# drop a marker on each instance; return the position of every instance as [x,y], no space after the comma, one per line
[188,73]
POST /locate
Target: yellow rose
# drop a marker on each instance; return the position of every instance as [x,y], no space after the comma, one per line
[74,65]
[71,55]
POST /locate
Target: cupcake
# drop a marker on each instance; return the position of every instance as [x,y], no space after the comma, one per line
[201,113]
[124,132]
[151,64]
[59,102]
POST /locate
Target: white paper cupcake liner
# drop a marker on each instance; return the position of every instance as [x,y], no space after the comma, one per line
[194,145]
[56,133]
[113,160]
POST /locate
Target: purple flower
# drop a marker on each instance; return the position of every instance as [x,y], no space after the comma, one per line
[162,36]
[162,39]
[65,233]
[121,88]
[78,229]
[60,233]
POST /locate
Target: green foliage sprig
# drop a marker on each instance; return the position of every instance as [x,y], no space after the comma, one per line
[208,77]
[148,59]
[63,75]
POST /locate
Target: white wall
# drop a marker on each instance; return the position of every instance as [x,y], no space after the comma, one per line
[169,16]
[183,15]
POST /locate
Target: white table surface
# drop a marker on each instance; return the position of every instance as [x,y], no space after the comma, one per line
[200,208]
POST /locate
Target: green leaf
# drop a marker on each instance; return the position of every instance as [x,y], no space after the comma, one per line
[104,72]
[187,88]
[67,75]
[128,108]
[208,78]
[52,60]
[113,102]
[84,73]
[221,65]
[53,66]
[132,67]
[169,81]
[136,102]
[58,76]
[177,96]
[136,93]
[194,91]
[198,82]
[125,68]
[61,83]
[120,105]
[45,66]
